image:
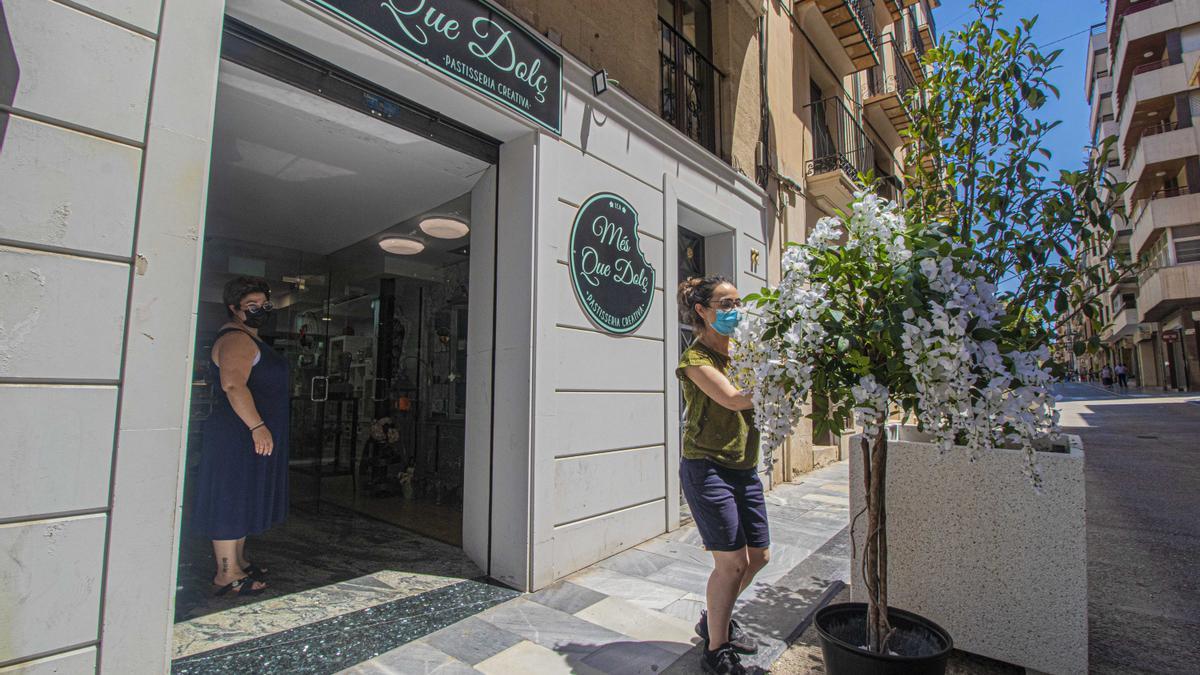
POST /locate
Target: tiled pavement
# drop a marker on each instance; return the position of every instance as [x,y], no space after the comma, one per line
[634,612]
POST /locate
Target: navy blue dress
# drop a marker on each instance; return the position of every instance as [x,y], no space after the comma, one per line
[238,491]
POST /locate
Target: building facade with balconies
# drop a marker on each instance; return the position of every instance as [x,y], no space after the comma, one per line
[1143,84]
[839,76]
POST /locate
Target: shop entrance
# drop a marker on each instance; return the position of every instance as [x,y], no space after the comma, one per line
[321,186]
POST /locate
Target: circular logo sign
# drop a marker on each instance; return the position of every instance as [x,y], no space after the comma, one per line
[612,280]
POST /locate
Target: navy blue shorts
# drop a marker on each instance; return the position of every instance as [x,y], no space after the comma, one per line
[727,504]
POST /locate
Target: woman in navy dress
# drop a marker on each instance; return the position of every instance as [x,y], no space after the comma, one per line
[242,482]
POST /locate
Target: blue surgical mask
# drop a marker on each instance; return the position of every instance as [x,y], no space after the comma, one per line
[727,321]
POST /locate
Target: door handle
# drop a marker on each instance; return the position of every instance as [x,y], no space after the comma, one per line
[324,395]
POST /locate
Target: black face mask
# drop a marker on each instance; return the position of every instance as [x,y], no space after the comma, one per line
[256,317]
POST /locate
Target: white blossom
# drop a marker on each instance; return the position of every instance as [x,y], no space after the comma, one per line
[968,391]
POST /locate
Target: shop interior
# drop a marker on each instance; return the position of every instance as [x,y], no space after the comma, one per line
[363,231]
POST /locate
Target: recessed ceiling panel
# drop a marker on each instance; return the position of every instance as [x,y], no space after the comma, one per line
[292,169]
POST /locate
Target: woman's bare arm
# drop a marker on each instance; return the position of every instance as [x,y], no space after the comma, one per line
[716,386]
[234,354]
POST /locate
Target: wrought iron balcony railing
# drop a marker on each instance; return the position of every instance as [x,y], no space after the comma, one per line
[839,142]
[892,76]
[864,12]
[690,92]
[913,40]
[1158,128]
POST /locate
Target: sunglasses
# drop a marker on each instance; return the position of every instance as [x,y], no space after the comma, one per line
[727,303]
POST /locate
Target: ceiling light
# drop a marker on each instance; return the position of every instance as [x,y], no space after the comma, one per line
[1159,174]
[444,228]
[1153,113]
[401,245]
[1148,54]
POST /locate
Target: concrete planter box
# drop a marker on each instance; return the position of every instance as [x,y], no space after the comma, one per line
[974,548]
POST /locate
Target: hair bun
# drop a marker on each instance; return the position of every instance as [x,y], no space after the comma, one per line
[697,290]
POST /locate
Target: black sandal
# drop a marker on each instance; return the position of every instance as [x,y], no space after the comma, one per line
[255,572]
[243,586]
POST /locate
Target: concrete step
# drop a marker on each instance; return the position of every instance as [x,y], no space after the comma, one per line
[824,455]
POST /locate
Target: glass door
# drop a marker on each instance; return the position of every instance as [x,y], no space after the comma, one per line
[331,344]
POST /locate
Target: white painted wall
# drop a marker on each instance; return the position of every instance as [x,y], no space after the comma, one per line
[103,162]
[605,437]
[480,316]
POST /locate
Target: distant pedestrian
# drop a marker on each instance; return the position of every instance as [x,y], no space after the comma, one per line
[1106,377]
[1122,377]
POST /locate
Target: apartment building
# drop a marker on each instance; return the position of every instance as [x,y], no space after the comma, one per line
[1141,82]
[398,171]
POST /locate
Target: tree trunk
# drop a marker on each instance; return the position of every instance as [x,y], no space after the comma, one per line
[875,546]
[870,581]
[885,627]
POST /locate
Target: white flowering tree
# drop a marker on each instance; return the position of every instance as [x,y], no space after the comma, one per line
[879,315]
[889,313]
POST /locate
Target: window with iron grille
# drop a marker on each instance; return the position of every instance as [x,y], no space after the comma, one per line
[690,84]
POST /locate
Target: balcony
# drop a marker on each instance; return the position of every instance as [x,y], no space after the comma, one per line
[1124,325]
[1162,147]
[1118,246]
[1097,58]
[926,27]
[1101,103]
[912,47]
[1150,96]
[886,90]
[845,33]
[1167,289]
[1117,175]
[841,151]
[690,92]
[1160,210]
[1139,37]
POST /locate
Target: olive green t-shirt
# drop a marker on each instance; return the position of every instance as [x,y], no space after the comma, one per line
[712,431]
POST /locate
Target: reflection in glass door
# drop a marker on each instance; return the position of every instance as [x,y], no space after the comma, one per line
[330,343]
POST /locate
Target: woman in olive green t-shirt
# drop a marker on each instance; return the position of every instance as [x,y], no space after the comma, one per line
[718,471]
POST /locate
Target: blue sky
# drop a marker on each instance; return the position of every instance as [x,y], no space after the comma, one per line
[1058,19]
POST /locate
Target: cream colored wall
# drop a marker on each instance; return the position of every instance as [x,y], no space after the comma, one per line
[735,43]
[622,37]
[792,63]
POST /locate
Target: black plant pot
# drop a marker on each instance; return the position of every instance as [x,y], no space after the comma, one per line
[920,646]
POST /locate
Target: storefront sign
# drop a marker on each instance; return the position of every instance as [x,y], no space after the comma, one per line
[613,281]
[472,42]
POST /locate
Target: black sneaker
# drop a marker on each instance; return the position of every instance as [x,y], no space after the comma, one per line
[738,639]
[722,661]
